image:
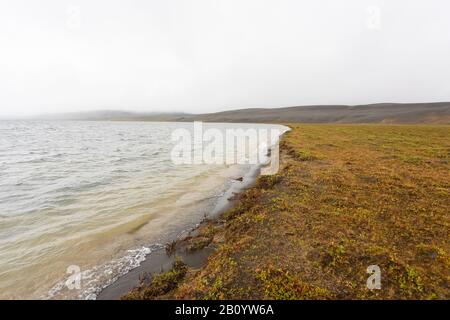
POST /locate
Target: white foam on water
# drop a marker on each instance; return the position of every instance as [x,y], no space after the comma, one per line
[94,280]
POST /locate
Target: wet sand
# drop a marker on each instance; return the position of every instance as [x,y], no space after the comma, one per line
[157,262]
[160,261]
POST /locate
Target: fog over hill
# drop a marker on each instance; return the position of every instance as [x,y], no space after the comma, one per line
[438,113]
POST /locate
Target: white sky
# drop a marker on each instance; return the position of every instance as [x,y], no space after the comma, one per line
[211,55]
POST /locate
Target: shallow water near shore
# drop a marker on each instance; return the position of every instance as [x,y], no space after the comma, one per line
[98,196]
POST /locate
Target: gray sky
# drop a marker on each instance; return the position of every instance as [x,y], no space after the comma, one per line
[211,55]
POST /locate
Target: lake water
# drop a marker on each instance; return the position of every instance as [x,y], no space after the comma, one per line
[98,196]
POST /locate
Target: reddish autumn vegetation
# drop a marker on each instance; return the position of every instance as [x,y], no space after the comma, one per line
[346,197]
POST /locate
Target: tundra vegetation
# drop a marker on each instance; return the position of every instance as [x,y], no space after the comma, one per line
[346,197]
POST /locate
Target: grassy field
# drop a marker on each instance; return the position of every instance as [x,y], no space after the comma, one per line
[347,196]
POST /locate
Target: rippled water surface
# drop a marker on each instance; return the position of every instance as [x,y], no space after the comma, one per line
[96,195]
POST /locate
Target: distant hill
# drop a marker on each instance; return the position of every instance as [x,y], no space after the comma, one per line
[432,113]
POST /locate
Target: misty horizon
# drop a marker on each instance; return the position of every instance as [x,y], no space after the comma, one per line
[137,112]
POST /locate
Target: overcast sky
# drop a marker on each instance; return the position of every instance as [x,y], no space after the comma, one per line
[211,55]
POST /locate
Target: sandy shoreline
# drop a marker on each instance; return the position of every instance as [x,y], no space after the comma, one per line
[160,260]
